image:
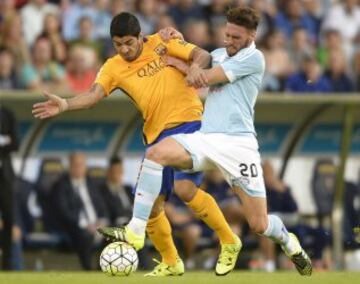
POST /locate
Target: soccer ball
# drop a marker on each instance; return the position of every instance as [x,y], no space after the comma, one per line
[119,259]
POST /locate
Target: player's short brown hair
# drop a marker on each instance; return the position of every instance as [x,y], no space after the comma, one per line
[243,16]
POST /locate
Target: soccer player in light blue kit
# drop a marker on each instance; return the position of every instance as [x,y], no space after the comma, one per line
[226,140]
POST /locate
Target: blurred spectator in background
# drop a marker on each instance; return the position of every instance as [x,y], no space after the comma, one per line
[16,262]
[147,13]
[7,10]
[294,16]
[8,76]
[52,31]
[344,16]
[336,72]
[81,68]
[299,48]
[309,79]
[218,36]
[214,12]
[315,11]
[351,225]
[185,227]
[42,72]
[278,64]
[332,41]
[72,15]
[37,209]
[267,10]
[197,32]
[80,208]
[87,21]
[356,63]
[118,196]
[164,21]
[87,36]
[102,19]
[33,15]
[118,6]
[8,143]
[184,10]
[12,38]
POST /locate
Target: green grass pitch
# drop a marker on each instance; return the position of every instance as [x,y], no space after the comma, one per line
[241,277]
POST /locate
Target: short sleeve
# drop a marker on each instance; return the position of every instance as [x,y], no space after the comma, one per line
[179,48]
[237,67]
[104,78]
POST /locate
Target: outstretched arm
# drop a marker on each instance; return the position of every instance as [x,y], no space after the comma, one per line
[56,105]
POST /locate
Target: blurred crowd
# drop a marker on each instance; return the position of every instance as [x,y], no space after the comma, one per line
[309,45]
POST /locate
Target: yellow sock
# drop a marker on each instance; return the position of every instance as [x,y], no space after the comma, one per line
[206,208]
[159,232]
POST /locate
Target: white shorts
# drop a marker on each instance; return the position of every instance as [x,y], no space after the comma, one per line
[237,157]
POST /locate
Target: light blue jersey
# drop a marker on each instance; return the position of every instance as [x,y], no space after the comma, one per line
[229,107]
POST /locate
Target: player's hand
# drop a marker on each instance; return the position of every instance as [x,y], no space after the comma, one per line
[169,60]
[170,33]
[52,107]
[177,63]
[196,77]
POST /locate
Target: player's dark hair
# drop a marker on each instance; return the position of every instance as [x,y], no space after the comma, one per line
[125,24]
[115,161]
[243,16]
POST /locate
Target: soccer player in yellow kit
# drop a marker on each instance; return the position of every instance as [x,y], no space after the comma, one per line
[168,106]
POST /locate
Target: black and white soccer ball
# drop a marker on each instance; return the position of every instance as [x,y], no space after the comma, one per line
[119,259]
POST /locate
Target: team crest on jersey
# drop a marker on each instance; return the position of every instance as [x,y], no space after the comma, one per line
[160,49]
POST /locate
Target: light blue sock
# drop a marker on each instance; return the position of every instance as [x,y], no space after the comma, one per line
[276,230]
[148,189]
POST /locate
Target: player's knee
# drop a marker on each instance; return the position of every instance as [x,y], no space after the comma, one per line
[156,155]
[258,225]
[185,190]
[186,196]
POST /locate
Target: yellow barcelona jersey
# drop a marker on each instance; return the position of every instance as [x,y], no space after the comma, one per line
[158,91]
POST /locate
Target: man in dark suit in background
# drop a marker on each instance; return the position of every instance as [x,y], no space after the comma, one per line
[118,196]
[8,144]
[80,208]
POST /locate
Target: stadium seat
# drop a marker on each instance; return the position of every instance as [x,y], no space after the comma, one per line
[323,188]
